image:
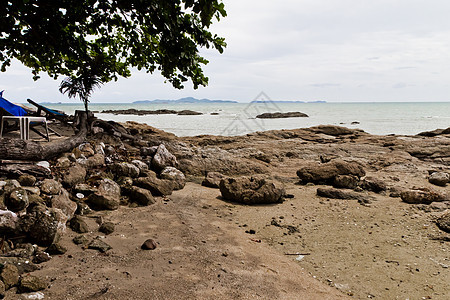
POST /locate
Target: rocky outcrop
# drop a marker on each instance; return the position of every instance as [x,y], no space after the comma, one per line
[422,196]
[278,115]
[326,173]
[251,190]
[162,159]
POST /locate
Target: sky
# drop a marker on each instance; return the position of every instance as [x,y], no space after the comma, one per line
[307,50]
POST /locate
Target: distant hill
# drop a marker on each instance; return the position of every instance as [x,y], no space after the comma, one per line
[186,100]
[287,101]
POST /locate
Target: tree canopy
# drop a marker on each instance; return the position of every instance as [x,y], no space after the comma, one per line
[106,38]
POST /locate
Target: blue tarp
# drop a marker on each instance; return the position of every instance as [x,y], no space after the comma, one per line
[13,109]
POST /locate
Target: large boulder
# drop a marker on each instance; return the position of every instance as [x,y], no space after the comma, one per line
[125,169]
[75,175]
[251,190]
[373,184]
[107,197]
[345,181]
[141,196]
[175,175]
[158,187]
[43,225]
[422,196]
[163,158]
[325,173]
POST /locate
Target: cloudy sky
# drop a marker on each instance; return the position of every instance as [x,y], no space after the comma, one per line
[333,50]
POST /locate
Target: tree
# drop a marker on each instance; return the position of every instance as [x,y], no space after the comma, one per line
[81,86]
[109,37]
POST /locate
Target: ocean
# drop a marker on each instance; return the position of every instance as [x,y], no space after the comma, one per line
[239,118]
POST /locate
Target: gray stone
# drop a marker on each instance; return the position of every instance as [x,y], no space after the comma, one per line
[175,175]
[30,283]
[17,200]
[439,178]
[140,164]
[50,187]
[107,197]
[95,161]
[141,196]
[76,174]
[163,158]
[85,189]
[2,289]
[32,190]
[27,180]
[251,190]
[23,265]
[213,179]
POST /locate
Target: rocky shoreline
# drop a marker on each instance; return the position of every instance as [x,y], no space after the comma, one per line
[138,112]
[108,172]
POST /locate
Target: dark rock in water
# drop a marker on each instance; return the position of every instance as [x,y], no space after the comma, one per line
[251,190]
[107,196]
[175,175]
[443,222]
[333,130]
[423,196]
[158,187]
[338,194]
[149,245]
[345,181]
[78,224]
[439,178]
[162,159]
[107,227]
[373,184]
[325,173]
[75,175]
[9,274]
[17,200]
[30,283]
[43,225]
[27,180]
[141,196]
[56,249]
[212,180]
[435,132]
[188,112]
[278,115]
[98,244]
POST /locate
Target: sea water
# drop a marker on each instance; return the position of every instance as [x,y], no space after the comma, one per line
[240,118]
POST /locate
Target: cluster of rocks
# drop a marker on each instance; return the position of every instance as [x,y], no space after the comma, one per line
[138,112]
[34,211]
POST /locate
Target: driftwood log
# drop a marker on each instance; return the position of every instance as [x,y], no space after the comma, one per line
[18,149]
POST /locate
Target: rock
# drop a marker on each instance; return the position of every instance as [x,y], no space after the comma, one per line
[56,249]
[63,162]
[345,181]
[9,274]
[23,265]
[163,158]
[422,196]
[50,187]
[140,164]
[86,149]
[107,196]
[63,202]
[32,190]
[76,174]
[40,257]
[282,115]
[325,173]
[373,184]
[43,225]
[188,112]
[78,224]
[333,130]
[212,180]
[98,244]
[149,245]
[175,175]
[125,169]
[141,196]
[339,194]
[95,161]
[2,289]
[10,185]
[30,283]
[251,190]
[35,199]
[107,227]
[80,240]
[158,187]
[84,189]
[443,222]
[8,222]
[26,180]
[439,178]
[17,200]
[148,151]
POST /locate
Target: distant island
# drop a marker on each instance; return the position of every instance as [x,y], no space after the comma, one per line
[185,100]
[287,101]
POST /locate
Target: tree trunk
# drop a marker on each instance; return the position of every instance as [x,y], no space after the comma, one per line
[29,150]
